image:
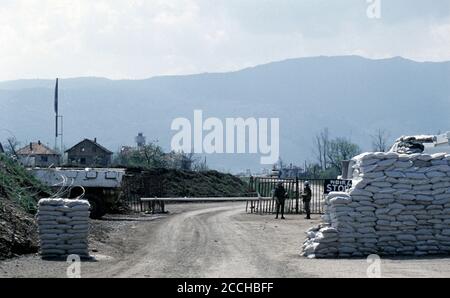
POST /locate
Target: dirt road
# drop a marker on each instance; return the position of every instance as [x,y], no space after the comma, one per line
[214,240]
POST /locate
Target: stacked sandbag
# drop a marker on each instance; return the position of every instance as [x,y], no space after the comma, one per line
[398,205]
[321,242]
[63,227]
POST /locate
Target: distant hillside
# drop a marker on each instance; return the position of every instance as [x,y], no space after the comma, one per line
[353,96]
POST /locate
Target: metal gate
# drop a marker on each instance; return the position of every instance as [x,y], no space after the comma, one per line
[141,184]
[294,187]
[149,185]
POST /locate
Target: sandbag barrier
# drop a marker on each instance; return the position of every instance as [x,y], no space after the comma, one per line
[398,205]
[63,227]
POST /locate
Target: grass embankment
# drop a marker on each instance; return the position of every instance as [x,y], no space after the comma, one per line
[19,193]
[18,185]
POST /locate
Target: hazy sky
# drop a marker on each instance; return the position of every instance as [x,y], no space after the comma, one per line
[140,38]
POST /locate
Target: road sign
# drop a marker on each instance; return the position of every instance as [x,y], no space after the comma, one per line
[336,185]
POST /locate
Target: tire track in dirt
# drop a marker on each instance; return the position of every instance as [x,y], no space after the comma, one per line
[181,245]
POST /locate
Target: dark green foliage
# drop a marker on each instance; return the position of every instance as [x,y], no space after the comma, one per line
[179,183]
[20,186]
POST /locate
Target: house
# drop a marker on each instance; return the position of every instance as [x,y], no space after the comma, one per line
[37,155]
[89,153]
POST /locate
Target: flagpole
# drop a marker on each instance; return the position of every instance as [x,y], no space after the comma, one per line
[62,149]
[56,131]
[56,114]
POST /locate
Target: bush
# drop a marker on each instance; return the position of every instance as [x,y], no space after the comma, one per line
[18,185]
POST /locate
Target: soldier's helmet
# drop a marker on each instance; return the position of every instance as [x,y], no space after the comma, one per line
[306,183]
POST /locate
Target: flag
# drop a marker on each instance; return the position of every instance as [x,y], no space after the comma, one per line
[56,97]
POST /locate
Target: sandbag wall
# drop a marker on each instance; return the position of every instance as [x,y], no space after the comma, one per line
[63,227]
[398,205]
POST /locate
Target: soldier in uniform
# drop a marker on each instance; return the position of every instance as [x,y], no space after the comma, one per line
[306,195]
[280,195]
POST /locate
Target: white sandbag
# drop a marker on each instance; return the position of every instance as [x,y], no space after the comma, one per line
[372,189]
[403,164]
[49,213]
[384,201]
[367,168]
[435,174]
[400,204]
[387,162]
[372,175]
[360,192]
[78,214]
[439,155]
[366,156]
[439,162]
[51,202]
[382,184]
[63,227]
[402,186]
[395,174]
[424,157]
[53,251]
[415,175]
[357,198]
[340,200]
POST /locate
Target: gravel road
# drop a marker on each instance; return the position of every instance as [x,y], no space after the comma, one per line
[212,240]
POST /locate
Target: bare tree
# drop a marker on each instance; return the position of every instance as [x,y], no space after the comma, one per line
[185,161]
[379,140]
[341,149]
[148,156]
[13,144]
[322,143]
[319,150]
[280,163]
[201,165]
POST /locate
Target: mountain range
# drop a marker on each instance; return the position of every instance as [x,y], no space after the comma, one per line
[350,95]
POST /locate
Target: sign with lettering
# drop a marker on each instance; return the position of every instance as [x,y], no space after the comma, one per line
[336,185]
